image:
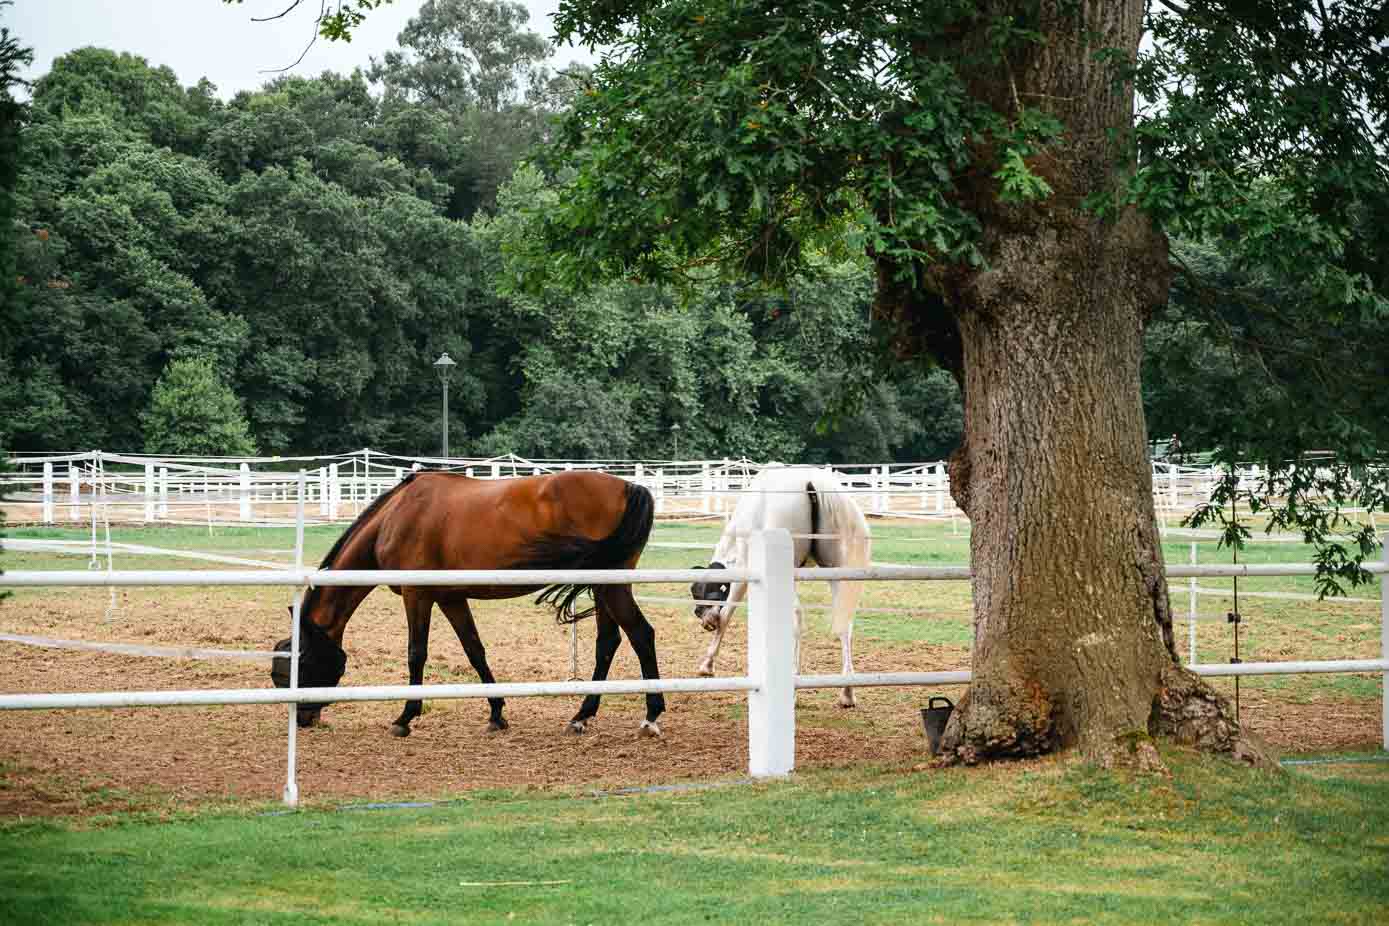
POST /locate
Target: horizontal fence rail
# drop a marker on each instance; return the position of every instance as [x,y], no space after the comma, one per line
[368,693]
[323,578]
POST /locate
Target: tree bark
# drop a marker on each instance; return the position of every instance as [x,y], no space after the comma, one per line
[1073,630]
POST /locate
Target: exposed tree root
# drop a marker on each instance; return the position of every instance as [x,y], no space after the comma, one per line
[1195,714]
[1015,721]
[999,720]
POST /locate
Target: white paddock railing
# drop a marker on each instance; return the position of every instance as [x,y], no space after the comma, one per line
[145,488]
[770,681]
[260,490]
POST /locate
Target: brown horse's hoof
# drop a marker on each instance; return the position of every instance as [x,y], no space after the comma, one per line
[576,727]
[399,730]
[496,726]
[649,729]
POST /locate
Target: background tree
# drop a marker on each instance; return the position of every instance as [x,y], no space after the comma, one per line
[306,240]
[12,115]
[480,73]
[194,412]
[1015,204]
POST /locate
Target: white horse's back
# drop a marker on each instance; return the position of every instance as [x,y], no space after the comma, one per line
[780,498]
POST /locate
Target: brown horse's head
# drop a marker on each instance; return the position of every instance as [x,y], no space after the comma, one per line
[708,614]
[321,665]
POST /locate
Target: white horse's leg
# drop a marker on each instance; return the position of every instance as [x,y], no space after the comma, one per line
[706,666]
[846,697]
[730,607]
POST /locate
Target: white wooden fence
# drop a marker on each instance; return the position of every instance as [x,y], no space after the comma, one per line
[265,490]
[770,680]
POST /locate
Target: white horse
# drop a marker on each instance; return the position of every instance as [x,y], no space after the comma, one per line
[825,524]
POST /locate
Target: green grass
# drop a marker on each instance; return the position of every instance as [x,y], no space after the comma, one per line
[1044,842]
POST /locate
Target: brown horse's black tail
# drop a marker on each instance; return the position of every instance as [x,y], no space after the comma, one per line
[612,552]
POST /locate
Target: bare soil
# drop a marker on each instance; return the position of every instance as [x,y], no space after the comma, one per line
[157,759]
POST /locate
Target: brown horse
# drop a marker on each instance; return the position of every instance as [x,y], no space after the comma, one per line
[438,520]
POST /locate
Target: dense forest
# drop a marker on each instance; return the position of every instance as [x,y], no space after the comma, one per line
[300,255]
[276,273]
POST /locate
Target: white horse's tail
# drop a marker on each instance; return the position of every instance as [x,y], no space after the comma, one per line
[840,515]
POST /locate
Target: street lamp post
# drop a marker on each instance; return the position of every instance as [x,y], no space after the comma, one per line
[444,365]
[675,436]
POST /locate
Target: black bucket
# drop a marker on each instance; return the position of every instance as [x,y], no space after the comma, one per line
[934,720]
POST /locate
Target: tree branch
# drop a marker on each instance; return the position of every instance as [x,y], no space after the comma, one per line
[322,12]
[289,9]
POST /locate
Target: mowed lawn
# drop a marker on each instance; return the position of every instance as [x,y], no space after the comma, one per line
[1046,841]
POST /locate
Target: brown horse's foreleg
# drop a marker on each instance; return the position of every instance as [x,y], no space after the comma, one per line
[642,636]
[418,606]
[609,639]
[461,617]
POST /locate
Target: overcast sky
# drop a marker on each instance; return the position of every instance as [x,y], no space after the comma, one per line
[208,38]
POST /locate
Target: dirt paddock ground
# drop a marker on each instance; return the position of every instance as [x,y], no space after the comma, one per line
[94,761]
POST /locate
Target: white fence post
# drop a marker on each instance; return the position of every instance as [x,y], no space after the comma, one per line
[149,492]
[771,647]
[47,493]
[74,493]
[334,492]
[245,492]
[291,792]
[705,487]
[1384,644]
[163,491]
[323,491]
[660,491]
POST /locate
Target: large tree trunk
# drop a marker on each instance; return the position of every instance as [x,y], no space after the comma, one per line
[1073,633]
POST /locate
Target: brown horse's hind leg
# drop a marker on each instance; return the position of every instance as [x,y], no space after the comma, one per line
[418,606]
[609,638]
[461,617]
[642,636]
